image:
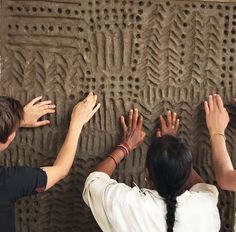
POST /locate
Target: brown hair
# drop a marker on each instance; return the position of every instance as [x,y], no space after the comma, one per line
[11,113]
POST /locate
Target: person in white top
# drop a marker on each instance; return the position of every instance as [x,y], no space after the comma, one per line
[177,199]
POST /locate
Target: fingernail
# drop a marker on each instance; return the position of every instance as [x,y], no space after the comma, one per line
[136,109]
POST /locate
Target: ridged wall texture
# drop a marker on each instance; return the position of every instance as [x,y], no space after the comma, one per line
[154,55]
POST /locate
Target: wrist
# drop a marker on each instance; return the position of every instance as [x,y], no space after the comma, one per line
[216,131]
[24,124]
[75,128]
[118,154]
[75,124]
[215,136]
[125,148]
[128,145]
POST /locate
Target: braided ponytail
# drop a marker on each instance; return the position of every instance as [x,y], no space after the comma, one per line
[169,164]
[170,216]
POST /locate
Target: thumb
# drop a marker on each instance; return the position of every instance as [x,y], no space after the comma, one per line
[41,123]
[143,135]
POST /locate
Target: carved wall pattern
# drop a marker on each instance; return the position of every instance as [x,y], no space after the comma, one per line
[155,55]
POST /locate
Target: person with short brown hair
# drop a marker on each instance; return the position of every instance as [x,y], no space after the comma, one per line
[20,181]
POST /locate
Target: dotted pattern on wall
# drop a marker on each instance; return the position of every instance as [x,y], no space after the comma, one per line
[155,55]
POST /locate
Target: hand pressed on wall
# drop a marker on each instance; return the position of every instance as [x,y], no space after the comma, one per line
[217,117]
[34,110]
[85,110]
[170,127]
[133,133]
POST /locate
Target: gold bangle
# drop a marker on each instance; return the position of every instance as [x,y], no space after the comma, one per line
[218,134]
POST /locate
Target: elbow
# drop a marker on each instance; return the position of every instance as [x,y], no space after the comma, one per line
[65,174]
[222,183]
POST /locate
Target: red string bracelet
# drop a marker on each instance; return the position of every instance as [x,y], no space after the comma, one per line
[113,160]
[125,148]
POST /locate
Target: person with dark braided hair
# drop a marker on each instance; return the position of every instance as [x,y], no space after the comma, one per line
[177,198]
[169,171]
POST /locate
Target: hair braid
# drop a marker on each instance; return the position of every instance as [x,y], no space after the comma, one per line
[170,216]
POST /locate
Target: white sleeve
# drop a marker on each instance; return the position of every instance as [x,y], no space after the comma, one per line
[207,190]
[102,194]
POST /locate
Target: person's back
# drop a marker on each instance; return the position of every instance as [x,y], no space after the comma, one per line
[141,210]
[167,205]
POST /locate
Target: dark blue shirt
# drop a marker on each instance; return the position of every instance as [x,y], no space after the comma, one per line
[17,182]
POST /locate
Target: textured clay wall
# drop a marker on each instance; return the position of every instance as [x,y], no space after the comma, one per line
[155,55]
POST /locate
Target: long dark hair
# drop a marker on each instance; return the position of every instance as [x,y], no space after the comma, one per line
[169,164]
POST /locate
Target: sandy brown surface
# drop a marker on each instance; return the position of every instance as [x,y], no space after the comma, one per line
[155,55]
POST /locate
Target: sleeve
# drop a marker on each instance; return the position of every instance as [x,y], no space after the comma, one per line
[207,190]
[24,181]
[103,194]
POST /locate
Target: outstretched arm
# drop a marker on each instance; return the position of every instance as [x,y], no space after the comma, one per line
[81,114]
[133,136]
[217,119]
[171,127]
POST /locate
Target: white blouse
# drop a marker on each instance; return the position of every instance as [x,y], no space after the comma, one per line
[118,207]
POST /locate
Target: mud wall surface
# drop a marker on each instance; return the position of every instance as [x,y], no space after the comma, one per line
[155,55]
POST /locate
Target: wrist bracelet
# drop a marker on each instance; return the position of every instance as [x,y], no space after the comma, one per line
[218,134]
[113,160]
[125,148]
[124,151]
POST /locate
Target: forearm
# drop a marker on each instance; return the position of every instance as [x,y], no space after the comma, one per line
[64,158]
[108,165]
[67,152]
[221,160]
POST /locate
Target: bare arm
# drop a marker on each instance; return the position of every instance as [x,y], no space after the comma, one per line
[224,171]
[108,165]
[133,136]
[171,127]
[217,119]
[82,112]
